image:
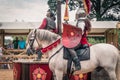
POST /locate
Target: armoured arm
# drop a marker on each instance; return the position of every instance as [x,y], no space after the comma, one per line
[81,25]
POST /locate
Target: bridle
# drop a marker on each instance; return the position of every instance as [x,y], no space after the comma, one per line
[41,50]
[31,42]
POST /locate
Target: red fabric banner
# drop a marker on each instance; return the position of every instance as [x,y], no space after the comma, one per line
[43,72]
[17,71]
[40,71]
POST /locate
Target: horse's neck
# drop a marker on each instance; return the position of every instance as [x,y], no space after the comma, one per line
[47,43]
[54,50]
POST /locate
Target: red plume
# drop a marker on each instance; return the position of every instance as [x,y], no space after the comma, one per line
[87,6]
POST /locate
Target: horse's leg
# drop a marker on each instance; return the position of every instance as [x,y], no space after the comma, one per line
[112,74]
[59,74]
[54,76]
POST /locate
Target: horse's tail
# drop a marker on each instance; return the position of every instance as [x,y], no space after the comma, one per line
[118,68]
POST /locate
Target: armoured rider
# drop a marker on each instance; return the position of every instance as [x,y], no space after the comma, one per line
[85,25]
[48,23]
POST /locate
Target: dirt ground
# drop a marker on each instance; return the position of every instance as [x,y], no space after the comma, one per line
[6,74]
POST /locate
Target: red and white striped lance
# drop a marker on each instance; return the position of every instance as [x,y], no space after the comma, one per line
[66,15]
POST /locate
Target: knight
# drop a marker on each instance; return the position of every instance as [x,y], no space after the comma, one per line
[83,23]
[48,22]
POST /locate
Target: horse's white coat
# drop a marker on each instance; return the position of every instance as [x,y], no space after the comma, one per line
[104,55]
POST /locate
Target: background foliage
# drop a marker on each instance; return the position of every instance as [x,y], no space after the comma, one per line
[101,9]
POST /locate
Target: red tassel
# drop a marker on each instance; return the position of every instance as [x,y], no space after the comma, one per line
[87,6]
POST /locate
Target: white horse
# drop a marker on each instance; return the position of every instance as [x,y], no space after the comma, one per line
[102,54]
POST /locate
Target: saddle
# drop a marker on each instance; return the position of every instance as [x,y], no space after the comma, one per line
[83,53]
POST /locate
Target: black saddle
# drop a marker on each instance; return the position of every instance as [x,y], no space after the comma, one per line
[83,53]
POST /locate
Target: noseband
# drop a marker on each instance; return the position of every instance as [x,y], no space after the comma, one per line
[41,50]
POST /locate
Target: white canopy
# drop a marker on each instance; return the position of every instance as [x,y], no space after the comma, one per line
[23,27]
[19,25]
[100,26]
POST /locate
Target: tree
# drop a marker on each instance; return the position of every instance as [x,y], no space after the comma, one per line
[100,9]
[103,9]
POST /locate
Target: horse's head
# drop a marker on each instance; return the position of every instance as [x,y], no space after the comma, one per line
[32,43]
[38,39]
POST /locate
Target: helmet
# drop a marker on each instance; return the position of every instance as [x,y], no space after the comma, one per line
[80,10]
[80,13]
[51,13]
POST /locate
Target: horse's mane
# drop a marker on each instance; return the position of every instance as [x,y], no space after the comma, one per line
[44,35]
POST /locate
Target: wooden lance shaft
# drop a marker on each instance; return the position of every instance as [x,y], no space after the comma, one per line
[59,16]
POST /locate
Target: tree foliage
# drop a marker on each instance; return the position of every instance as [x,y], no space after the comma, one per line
[105,9]
[100,9]
[96,39]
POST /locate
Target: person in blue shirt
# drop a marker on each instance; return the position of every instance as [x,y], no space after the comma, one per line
[21,43]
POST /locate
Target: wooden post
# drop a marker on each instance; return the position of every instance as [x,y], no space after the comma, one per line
[2,37]
[59,16]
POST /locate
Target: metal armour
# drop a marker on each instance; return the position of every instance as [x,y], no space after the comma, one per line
[50,24]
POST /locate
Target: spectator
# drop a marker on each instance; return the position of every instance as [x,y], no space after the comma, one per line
[3,59]
[15,42]
[1,50]
[22,43]
[10,45]
[1,53]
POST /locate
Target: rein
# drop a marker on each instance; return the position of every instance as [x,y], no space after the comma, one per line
[54,54]
[49,47]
